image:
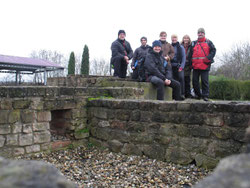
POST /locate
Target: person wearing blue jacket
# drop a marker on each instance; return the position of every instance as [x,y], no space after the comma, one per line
[178,63]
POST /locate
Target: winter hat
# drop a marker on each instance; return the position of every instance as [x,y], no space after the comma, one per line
[145,38]
[201,30]
[121,31]
[156,43]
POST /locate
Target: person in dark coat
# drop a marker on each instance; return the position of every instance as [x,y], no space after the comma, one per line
[121,54]
[202,54]
[139,57]
[178,63]
[159,72]
[186,43]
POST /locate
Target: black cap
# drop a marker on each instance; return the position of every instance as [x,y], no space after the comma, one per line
[121,31]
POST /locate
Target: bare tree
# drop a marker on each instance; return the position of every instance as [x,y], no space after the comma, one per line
[236,63]
[99,67]
[52,56]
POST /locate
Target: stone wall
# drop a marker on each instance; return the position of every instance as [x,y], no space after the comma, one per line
[26,114]
[147,90]
[179,132]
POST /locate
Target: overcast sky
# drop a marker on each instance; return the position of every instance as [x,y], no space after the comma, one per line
[66,25]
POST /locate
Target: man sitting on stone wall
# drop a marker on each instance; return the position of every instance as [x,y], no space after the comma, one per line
[159,72]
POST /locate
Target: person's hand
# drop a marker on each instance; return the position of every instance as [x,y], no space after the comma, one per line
[180,69]
[167,58]
[126,59]
[133,68]
[167,82]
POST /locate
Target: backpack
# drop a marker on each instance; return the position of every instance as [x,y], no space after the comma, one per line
[141,70]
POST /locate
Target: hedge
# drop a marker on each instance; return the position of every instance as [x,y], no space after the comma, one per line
[229,89]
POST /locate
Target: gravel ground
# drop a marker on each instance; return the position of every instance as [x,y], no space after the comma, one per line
[91,167]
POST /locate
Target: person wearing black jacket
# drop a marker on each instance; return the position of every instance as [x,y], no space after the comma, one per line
[139,57]
[121,54]
[159,73]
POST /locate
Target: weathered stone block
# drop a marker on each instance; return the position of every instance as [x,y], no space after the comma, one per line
[41,126]
[60,144]
[167,107]
[25,139]
[193,145]
[5,129]
[41,137]
[103,124]
[27,128]
[27,116]
[141,138]
[100,113]
[4,116]
[6,104]
[18,151]
[21,104]
[237,119]
[222,133]
[118,125]
[36,103]
[45,146]
[178,155]
[239,135]
[12,140]
[6,152]
[220,149]
[215,119]
[183,107]
[205,161]
[200,131]
[32,149]
[146,116]
[122,115]
[154,151]
[98,143]
[2,141]
[133,126]
[16,92]
[17,128]
[115,145]
[44,116]
[131,149]
[135,115]
[14,116]
[81,135]
[160,117]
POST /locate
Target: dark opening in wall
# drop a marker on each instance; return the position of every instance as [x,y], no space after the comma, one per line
[60,125]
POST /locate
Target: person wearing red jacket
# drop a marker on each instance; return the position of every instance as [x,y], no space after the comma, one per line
[202,54]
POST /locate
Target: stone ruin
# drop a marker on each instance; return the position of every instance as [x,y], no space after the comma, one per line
[120,115]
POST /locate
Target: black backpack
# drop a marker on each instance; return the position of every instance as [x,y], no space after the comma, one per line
[141,70]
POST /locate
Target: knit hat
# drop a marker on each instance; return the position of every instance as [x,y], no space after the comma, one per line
[201,30]
[156,43]
[145,38]
[121,31]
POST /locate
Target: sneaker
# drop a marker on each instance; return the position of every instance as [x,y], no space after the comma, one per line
[205,99]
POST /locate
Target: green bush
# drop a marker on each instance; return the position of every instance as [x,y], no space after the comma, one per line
[226,89]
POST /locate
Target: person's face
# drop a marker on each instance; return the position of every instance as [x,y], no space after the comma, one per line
[157,49]
[143,42]
[186,40]
[163,37]
[122,36]
[201,35]
[174,39]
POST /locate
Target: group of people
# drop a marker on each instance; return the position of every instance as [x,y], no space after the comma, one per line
[166,64]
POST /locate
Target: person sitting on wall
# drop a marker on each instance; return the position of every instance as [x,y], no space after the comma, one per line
[121,54]
[159,73]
